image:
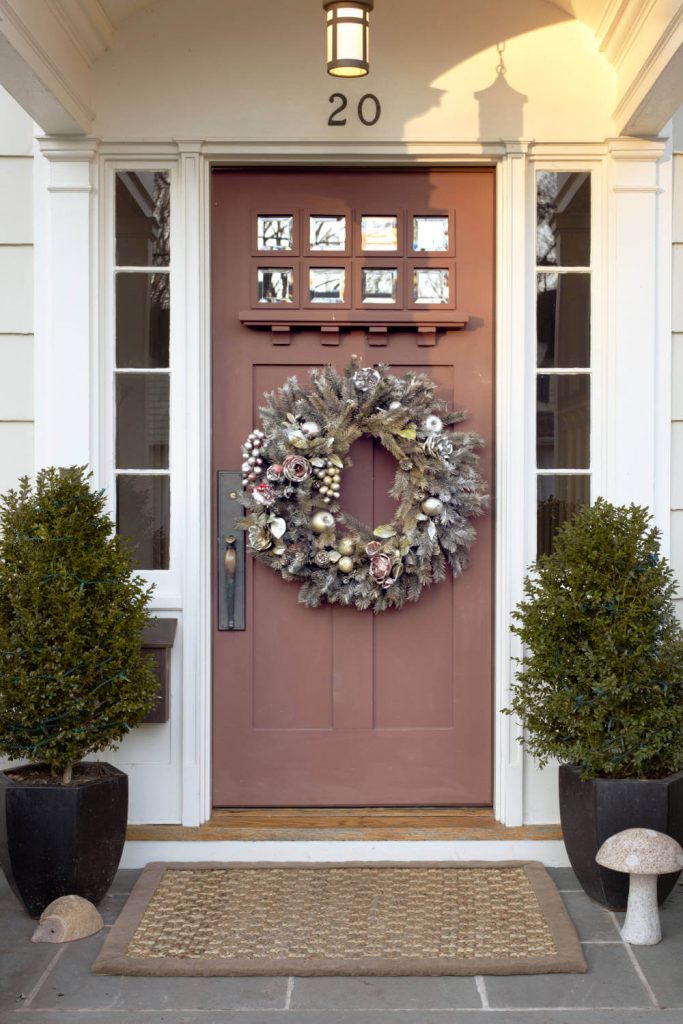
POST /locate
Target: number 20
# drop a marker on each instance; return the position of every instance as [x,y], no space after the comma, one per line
[369,98]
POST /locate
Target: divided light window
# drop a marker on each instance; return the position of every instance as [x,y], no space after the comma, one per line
[142,378]
[563,348]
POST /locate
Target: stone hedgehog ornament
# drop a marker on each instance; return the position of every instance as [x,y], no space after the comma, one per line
[66,919]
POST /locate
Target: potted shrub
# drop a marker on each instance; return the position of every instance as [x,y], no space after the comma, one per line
[73,680]
[600,685]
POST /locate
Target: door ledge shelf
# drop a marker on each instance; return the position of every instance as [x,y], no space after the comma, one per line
[352,319]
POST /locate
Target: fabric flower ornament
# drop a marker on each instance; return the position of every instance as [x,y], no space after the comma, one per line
[296,468]
[264,494]
[380,567]
[260,538]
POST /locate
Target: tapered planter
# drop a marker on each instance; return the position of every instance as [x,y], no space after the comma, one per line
[596,809]
[61,840]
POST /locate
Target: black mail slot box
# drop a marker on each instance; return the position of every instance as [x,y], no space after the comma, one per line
[158,642]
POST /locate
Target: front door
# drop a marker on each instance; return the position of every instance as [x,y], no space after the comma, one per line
[334,706]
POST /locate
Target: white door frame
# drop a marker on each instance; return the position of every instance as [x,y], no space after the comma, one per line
[631,281]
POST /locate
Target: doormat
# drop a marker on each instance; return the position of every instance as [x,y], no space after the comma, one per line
[342,919]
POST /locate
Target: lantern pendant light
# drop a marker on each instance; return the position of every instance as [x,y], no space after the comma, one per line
[348,31]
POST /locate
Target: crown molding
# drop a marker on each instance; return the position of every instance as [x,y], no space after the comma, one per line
[87,25]
[620,26]
[42,68]
[656,90]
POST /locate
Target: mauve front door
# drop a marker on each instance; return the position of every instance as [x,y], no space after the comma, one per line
[333,706]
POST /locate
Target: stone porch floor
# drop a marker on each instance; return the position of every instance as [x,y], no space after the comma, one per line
[45,984]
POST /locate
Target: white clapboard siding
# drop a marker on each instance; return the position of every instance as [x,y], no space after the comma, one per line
[16,292]
[677,361]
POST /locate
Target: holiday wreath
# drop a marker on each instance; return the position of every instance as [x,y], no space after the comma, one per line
[292,483]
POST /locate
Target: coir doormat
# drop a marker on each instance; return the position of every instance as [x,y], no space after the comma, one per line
[342,919]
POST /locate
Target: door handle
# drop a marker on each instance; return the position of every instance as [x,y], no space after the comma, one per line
[230,564]
[231,554]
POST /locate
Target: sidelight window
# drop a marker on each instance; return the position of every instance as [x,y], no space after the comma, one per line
[142,364]
[563,349]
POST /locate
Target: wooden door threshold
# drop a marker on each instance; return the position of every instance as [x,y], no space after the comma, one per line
[368,823]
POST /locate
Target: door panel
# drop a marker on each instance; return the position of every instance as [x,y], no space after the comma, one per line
[332,706]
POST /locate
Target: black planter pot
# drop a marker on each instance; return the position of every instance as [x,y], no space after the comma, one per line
[596,809]
[61,840]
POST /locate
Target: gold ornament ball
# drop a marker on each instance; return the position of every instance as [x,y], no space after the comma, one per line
[346,546]
[431,506]
[345,564]
[322,521]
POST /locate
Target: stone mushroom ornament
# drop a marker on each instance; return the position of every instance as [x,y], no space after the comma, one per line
[66,919]
[643,854]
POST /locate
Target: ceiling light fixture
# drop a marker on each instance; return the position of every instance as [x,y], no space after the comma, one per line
[348,31]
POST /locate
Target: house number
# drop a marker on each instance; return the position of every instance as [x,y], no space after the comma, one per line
[369,109]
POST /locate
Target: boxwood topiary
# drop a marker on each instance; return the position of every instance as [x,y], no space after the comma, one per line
[73,679]
[600,683]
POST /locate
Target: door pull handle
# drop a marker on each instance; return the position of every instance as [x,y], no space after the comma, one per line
[230,552]
[230,563]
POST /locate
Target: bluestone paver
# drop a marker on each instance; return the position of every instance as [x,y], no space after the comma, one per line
[383,993]
[53,984]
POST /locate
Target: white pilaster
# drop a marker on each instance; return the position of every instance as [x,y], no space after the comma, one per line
[198,549]
[634,267]
[512,535]
[66,349]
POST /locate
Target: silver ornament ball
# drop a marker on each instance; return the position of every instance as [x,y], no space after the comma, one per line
[431,506]
[433,424]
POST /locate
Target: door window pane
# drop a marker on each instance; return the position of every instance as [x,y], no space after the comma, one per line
[143,218]
[327,234]
[430,234]
[430,286]
[379,284]
[379,234]
[558,499]
[563,421]
[327,284]
[142,320]
[275,285]
[563,320]
[563,205]
[142,420]
[275,234]
[143,515]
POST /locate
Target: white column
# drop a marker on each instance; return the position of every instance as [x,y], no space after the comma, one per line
[65,295]
[637,373]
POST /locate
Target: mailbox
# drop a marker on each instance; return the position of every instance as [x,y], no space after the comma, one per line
[158,641]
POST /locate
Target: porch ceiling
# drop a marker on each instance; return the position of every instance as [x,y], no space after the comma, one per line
[589,11]
[48,51]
